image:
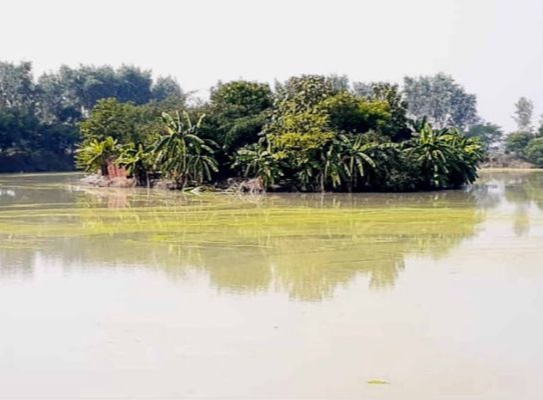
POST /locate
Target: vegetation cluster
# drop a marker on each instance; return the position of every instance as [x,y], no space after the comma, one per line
[309,133]
[40,118]
[526,142]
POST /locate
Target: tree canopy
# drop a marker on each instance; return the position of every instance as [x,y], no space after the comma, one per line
[310,132]
[442,100]
[39,118]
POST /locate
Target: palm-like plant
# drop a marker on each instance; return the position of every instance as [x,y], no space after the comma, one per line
[342,162]
[469,153]
[138,161]
[258,160]
[310,171]
[181,154]
[446,157]
[333,171]
[201,163]
[432,150]
[357,158]
[417,124]
[95,155]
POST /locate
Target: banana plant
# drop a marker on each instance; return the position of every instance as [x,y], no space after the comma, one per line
[181,154]
[257,160]
[433,151]
[138,162]
[469,153]
[95,155]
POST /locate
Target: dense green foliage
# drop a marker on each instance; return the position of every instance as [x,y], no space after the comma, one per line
[443,101]
[237,112]
[490,135]
[311,134]
[181,154]
[534,151]
[96,154]
[526,142]
[517,143]
[524,109]
[39,119]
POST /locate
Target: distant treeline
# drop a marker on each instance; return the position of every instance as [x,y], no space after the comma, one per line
[44,120]
[39,118]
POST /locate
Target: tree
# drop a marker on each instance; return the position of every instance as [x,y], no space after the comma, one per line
[339,83]
[534,151]
[56,105]
[257,160]
[446,158]
[517,143]
[17,88]
[303,93]
[357,158]
[354,115]
[524,110]
[166,88]
[443,101]
[111,118]
[431,150]
[238,112]
[467,154]
[396,126]
[132,84]
[95,155]
[39,120]
[489,134]
[314,133]
[137,161]
[81,88]
[299,124]
[181,154]
[18,128]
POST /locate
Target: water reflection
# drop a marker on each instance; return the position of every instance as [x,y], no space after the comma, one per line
[524,191]
[303,245]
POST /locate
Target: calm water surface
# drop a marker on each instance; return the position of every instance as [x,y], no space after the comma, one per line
[146,294]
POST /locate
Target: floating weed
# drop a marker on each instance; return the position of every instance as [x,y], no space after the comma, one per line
[377,382]
[291,242]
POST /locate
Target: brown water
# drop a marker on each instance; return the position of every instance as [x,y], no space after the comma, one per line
[137,294]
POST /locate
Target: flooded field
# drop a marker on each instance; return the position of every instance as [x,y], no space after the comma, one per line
[148,294]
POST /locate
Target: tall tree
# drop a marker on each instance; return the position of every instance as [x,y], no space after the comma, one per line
[133,84]
[397,125]
[238,112]
[56,102]
[489,134]
[339,82]
[111,118]
[166,88]
[16,85]
[443,101]
[524,110]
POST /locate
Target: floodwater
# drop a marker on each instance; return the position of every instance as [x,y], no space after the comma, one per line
[130,294]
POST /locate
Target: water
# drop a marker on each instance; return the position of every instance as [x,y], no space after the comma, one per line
[148,294]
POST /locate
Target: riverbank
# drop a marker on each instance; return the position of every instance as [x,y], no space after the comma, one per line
[254,185]
[506,161]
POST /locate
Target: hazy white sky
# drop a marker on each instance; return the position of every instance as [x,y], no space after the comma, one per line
[493,47]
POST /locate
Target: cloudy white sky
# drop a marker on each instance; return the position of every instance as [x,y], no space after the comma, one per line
[493,47]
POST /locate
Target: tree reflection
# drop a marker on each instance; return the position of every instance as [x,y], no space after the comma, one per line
[303,245]
[524,190]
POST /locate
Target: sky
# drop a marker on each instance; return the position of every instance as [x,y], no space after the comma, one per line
[494,48]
